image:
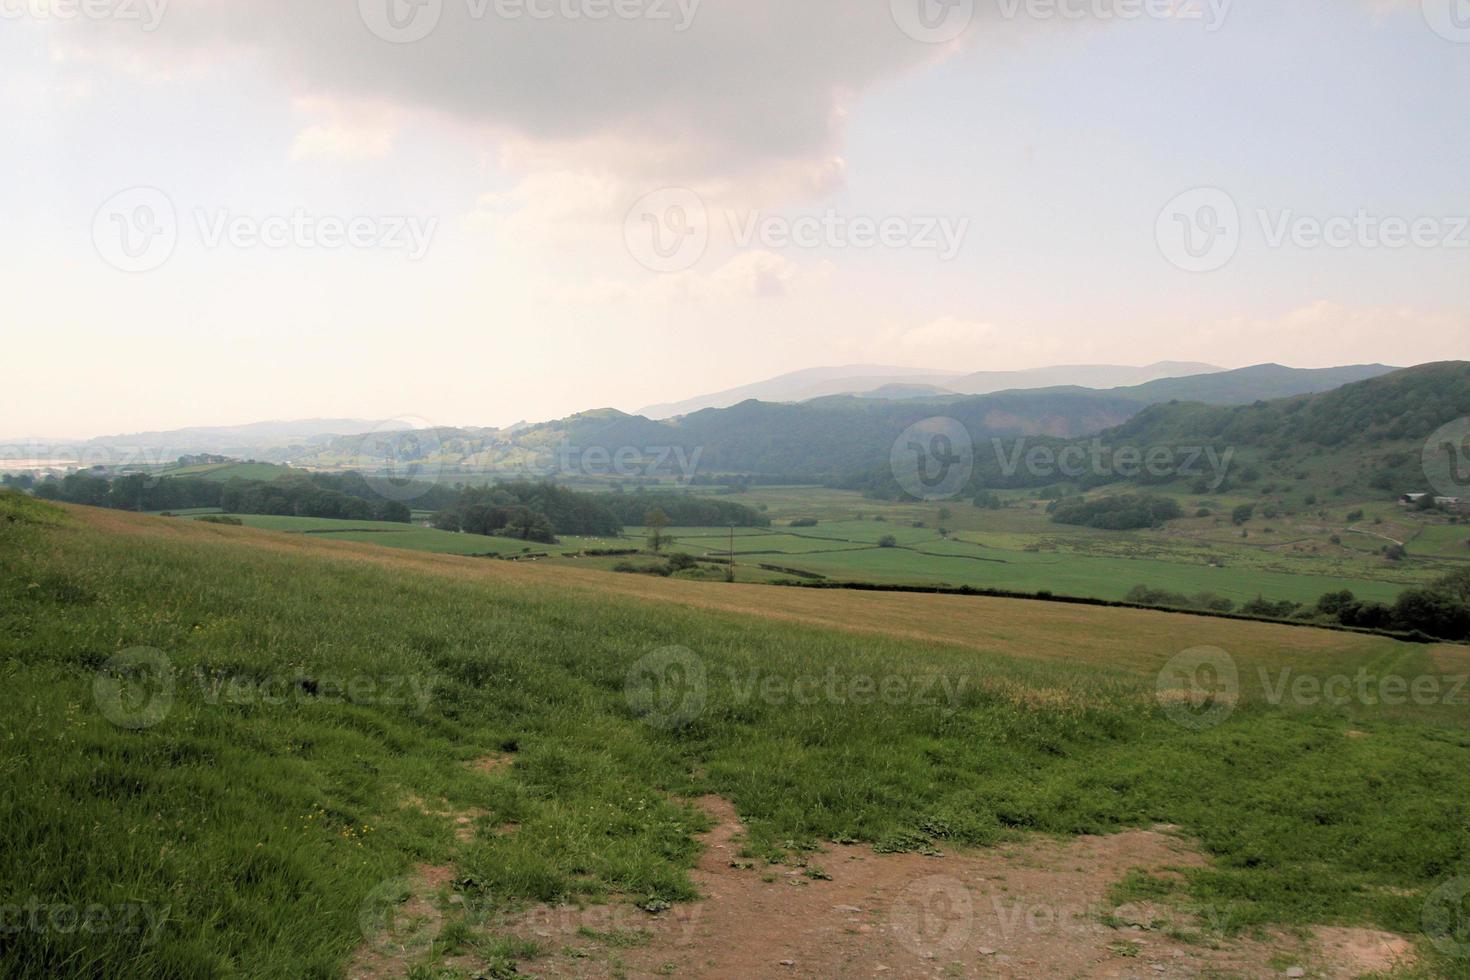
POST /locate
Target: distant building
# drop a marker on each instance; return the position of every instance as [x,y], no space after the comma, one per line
[1447,503]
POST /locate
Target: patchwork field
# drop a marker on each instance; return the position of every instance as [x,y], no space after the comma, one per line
[292,756]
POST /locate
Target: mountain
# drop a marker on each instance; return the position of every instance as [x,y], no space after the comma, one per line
[1401,432]
[251,439]
[866,378]
[1259,383]
[801,385]
[1076,376]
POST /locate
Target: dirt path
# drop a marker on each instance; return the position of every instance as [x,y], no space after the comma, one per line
[1038,909]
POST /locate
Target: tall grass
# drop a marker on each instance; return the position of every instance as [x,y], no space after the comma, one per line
[324,711]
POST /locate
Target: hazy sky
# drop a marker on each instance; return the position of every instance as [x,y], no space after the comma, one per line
[479,211]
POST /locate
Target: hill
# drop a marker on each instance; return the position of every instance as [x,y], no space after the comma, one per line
[1264,381]
[386,737]
[1367,438]
[866,379]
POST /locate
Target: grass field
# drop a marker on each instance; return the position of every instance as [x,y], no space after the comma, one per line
[236,730]
[417,538]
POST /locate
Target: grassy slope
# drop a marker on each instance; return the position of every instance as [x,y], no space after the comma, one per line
[262,827]
[416,538]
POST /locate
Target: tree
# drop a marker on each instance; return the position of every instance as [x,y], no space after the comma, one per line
[1243,513]
[888,541]
[656,521]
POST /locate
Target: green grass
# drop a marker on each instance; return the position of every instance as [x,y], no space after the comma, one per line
[262,825]
[229,471]
[416,538]
[848,550]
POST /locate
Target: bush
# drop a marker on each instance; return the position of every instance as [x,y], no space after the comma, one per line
[1242,514]
[221,519]
[888,541]
[803,522]
[1121,513]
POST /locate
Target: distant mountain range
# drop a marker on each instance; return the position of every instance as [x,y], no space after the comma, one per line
[893,382]
[822,437]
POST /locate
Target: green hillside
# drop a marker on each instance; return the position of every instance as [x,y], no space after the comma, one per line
[253,738]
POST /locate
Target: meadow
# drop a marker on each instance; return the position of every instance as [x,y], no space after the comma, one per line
[251,734]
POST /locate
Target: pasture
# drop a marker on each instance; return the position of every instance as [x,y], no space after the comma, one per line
[256,736]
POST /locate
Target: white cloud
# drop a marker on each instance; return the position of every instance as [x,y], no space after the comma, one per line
[751,89]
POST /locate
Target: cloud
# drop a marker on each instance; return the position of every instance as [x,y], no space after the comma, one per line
[746,89]
[1319,334]
[344,132]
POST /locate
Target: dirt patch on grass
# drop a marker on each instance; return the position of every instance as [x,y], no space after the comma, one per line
[1361,952]
[1028,910]
[463,821]
[491,765]
[399,932]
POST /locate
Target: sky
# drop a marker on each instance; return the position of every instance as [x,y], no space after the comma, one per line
[475,212]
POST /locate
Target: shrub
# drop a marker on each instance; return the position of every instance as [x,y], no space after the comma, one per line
[888,541]
[1125,512]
